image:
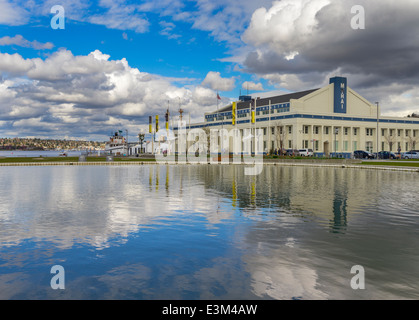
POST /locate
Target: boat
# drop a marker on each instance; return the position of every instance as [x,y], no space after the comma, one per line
[117,144]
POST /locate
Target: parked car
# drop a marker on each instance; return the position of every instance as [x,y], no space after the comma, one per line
[386,155]
[306,152]
[413,154]
[293,152]
[361,154]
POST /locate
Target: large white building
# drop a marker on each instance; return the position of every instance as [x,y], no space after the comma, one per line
[329,120]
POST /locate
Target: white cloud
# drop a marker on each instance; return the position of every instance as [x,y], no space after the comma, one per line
[12,14]
[120,16]
[22,42]
[250,85]
[285,26]
[88,95]
[214,81]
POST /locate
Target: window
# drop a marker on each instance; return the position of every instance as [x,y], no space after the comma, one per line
[346,131]
[305,144]
[326,130]
[355,132]
[345,145]
[391,132]
[383,132]
[290,129]
[369,132]
[368,146]
[289,144]
[273,130]
[316,145]
[399,133]
[316,130]
[264,131]
[382,145]
[355,145]
[280,130]
[407,133]
[305,129]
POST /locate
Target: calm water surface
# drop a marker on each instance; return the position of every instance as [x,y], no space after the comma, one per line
[207,232]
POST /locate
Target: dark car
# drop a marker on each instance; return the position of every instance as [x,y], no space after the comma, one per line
[361,154]
[386,155]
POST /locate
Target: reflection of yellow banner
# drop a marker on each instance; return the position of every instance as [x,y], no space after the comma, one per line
[157,123]
[253,116]
[234,192]
[253,193]
[167,126]
[150,128]
[233,114]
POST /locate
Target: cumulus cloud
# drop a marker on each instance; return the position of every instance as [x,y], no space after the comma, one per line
[298,44]
[214,81]
[250,85]
[87,95]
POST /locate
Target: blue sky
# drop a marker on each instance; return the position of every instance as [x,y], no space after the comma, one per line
[117,62]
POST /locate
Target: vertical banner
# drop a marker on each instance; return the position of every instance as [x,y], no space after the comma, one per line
[157,123]
[233,113]
[167,120]
[150,124]
[254,113]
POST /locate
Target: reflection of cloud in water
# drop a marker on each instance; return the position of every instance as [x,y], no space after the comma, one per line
[282,274]
[68,205]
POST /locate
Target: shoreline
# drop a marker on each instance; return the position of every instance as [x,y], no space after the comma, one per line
[315,164]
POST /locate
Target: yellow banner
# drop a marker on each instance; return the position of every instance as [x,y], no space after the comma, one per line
[233,114]
[157,123]
[253,117]
[150,124]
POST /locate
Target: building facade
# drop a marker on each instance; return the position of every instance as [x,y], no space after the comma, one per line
[333,121]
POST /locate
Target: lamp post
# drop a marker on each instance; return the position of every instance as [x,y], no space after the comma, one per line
[141,137]
[336,147]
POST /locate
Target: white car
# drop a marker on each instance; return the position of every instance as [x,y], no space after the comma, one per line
[306,152]
[414,154]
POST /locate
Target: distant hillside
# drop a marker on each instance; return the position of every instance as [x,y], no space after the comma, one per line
[48,144]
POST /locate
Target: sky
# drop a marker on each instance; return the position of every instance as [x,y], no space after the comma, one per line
[115,63]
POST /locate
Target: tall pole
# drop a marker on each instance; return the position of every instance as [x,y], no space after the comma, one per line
[269,126]
[377,127]
[126,130]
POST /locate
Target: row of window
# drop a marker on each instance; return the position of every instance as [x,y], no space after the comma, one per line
[211,118]
[368,131]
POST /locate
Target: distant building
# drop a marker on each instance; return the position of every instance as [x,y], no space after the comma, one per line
[330,120]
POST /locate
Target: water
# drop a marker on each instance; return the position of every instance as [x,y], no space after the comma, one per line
[207,232]
[42,153]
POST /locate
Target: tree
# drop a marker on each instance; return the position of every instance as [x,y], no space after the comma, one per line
[411,141]
[280,135]
[391,140]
